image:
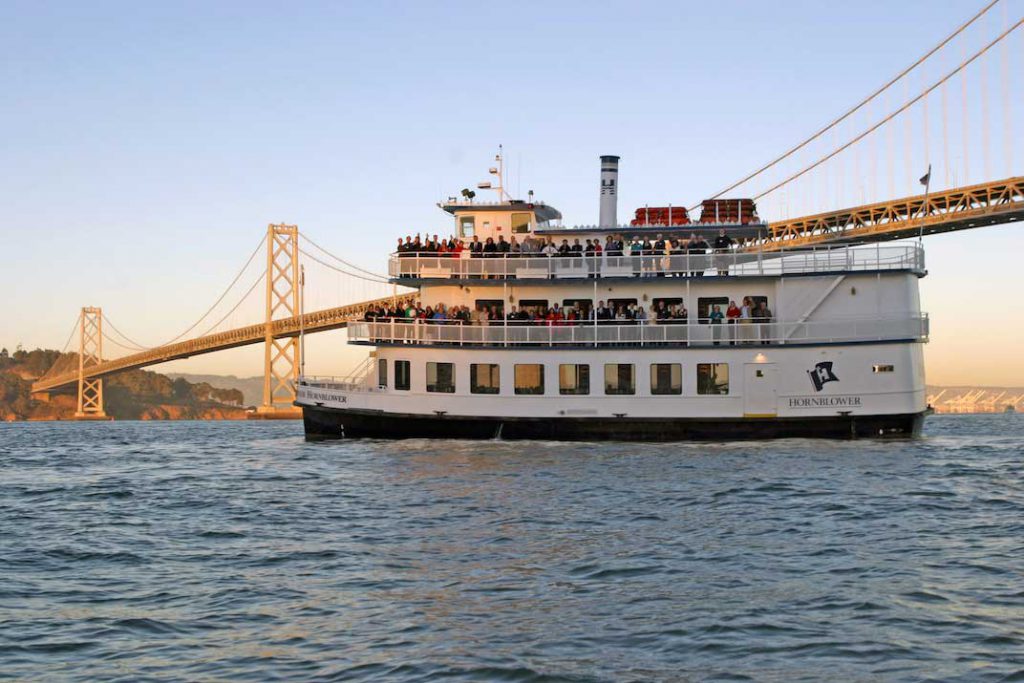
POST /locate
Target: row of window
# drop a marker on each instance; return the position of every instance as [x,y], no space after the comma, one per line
[573,379]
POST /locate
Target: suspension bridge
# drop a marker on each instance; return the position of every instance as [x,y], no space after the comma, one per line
[955,121]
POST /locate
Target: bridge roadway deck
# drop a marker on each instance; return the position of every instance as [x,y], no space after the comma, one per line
[960,208]
[316,321]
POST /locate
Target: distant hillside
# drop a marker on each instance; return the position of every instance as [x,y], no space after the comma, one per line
[251,387]
[131,395]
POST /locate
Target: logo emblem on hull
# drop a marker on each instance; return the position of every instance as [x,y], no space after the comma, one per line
[821,374]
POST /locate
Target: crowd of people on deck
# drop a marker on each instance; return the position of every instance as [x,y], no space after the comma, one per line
[613,245]
[609,313]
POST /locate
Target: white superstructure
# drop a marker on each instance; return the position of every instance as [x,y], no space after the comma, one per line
[839,353]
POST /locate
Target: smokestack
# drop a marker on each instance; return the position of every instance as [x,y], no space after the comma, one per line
[609,190]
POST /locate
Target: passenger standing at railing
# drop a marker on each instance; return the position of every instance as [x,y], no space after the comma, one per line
[764,318]
[636,249]
[589,254]
[732,314]
[701,247]
[715,318]
[515,249]
[476,247]
[723,245]
[746,320]
[659,253]
[549,249]
[490,250]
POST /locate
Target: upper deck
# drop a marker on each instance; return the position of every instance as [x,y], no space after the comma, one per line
[425,267]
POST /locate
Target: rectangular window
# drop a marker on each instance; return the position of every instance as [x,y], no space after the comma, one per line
[625,303]
[538,307]
[665,301]
[520,223]
[712,379]
[666,378]
[382,373]
[619,379]
[573,380]
[491,305]
[441,378]
[706,304]
[484,378]
[467,226]
[529,378]
[402,375]
[882,368]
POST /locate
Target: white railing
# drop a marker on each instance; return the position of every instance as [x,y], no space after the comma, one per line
[339,383]
[615,333]
[535,266]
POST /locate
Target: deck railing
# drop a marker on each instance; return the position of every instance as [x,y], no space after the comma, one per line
[617,333]
[410,265]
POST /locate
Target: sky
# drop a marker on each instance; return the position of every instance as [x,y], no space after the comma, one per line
[147,145]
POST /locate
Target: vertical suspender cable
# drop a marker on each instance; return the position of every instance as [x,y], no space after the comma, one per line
[908,128]
[964,118]
[986,138]
[945,133]
[924,118]
[1005,86]
[890,133]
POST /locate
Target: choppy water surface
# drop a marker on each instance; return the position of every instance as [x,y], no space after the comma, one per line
[144,551]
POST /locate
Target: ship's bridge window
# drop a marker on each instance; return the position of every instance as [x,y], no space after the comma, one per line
[382,372]
[619,379]
[529,378]
[520,223]
[441,378]
[402,375]
[573,380]
[882,368]
[467,226]
[666,379]
[712,379]
[484,378]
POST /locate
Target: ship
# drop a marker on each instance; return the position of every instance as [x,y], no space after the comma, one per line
[670,327]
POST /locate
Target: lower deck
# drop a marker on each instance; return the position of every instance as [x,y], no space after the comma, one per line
[741,382]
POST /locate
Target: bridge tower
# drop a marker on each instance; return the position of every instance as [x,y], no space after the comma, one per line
[281,359]
[90,352]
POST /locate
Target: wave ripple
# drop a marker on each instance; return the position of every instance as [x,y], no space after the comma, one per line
[142,551]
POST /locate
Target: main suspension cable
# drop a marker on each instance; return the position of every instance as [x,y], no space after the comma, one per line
[378,279]
[339,259]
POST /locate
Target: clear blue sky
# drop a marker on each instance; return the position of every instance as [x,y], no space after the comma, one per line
[147,145]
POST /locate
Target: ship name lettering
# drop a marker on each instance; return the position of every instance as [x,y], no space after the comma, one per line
[824,401]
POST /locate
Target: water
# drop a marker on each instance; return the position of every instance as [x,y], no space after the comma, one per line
[149,551]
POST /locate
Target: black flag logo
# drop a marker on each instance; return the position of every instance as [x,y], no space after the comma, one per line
[821,374]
